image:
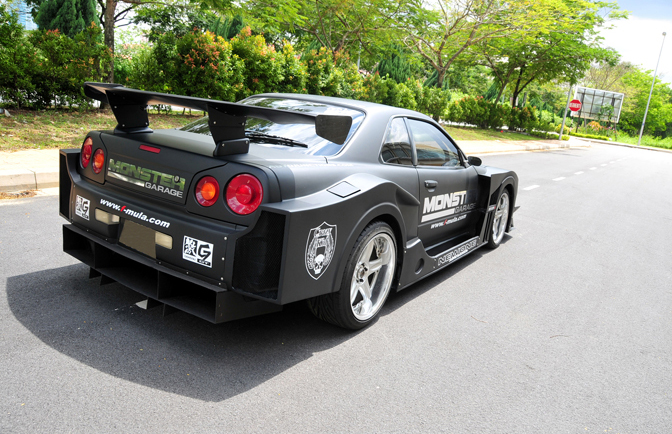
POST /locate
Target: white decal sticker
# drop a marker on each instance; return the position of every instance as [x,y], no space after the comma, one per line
[443,205]
[320,249]
[82,207]
[457,252]
[197,251]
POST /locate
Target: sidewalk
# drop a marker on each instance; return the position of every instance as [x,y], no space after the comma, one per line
[38,169]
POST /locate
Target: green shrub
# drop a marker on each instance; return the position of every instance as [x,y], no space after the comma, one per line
[478,111]
[294,73]
[262,65]
[589,136]
[206,67]
[63,64]
[522,119]
[48,67]
[17,61]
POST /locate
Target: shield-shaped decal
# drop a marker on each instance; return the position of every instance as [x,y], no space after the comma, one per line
[320,249]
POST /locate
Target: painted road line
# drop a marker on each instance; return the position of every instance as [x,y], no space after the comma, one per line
[578,173]
[593,168]
[559,179]
[531,187]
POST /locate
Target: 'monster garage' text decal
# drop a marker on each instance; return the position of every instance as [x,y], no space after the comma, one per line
[443,205]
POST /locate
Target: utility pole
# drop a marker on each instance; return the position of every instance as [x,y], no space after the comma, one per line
[651,91]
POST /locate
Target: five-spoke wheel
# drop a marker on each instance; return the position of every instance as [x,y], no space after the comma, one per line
[500,221]
[366,284]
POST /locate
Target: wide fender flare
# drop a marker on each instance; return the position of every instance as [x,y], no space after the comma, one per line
[498,185]
[375,213]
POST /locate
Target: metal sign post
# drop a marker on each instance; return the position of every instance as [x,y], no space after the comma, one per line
[564,117]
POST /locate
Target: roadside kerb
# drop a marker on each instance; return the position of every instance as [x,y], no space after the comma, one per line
[33,169]
[38,169]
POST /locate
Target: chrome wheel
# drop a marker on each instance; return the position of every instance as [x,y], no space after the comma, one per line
[372,277]
[501,218]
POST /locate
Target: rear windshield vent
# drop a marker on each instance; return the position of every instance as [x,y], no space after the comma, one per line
[258,257]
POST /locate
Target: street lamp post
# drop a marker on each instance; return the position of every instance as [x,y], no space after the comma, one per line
[641,131]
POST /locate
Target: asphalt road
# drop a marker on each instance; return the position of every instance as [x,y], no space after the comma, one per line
[566,328]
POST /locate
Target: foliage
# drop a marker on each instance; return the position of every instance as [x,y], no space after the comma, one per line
[589,136]
[647,140]
[352,27]
[17,61]
[228,28]
[637,84]
[67,16]
[331,74]
[177,18]
[449,29]
[395,64]
[48,67]
[561,48]
[207,67]
[479,111]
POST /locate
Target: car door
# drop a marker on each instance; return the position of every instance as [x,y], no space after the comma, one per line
[448,186]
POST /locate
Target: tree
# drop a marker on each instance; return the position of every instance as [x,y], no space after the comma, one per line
[441,31]
[562,49]
[607,76]
[353,26]
[636,86]
[68,16]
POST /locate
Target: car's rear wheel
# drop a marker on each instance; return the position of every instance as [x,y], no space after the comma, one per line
[366,284]
[501,219]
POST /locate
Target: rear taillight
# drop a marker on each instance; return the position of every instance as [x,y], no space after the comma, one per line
[207,191]
[98,161]
[87,149]
[244,194]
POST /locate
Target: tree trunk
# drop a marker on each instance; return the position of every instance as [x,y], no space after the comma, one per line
[439,78]
[108,33]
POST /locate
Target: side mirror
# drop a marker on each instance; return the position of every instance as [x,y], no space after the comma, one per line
[474,161]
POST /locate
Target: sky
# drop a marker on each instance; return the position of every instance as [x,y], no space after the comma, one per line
[638,39]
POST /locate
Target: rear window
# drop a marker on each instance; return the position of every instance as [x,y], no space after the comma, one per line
[304,133]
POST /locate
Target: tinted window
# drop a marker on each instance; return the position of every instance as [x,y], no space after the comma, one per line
[304,133]
[432,146]
[397,146]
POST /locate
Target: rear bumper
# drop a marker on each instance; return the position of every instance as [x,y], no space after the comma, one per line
[198,281]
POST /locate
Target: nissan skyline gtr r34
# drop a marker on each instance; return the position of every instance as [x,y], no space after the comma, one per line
[275,199]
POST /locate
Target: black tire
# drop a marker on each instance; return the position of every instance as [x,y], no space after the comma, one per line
[368,279]
[501,219]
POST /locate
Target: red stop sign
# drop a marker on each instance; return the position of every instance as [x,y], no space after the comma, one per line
[575,105]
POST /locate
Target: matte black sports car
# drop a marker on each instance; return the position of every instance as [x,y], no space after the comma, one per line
[275,199]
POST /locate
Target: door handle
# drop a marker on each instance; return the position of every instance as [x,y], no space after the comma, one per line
[431,184]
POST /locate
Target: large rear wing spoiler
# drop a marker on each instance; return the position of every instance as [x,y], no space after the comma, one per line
[226,119]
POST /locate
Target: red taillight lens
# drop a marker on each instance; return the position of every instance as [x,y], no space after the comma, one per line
[207,191]
[87,149]
[244,194]
[98,160]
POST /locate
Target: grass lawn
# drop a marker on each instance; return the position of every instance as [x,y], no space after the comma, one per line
[27,129]
[468,133]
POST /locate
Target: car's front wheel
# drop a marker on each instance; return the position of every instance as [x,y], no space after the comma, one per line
[366,284]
